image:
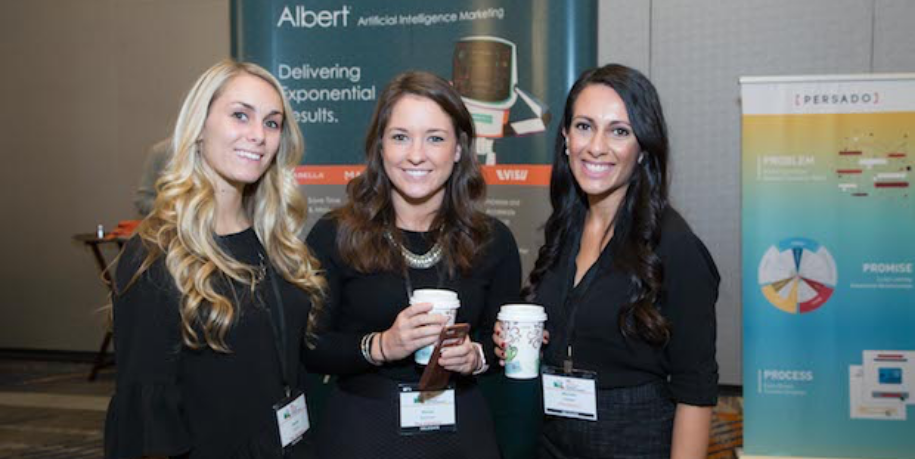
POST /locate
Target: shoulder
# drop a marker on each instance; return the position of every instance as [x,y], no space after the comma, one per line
[500,236]
[325,229]
[129,263]
[680,246]
[322,239]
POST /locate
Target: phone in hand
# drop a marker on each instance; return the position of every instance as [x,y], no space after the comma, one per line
[435,377]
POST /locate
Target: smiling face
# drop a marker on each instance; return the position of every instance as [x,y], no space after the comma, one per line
[603,150]
[241,134]
[419,148]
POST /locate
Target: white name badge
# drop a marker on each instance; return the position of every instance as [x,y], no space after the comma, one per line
[292,418]
[429,411]
[570,395]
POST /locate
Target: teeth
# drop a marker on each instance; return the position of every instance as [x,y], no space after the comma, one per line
[597,167]
[248,155]
[415,173]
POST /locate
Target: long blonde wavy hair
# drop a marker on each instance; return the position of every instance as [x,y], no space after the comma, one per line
[182,222]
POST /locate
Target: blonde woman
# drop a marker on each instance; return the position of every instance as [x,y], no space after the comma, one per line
[215,290]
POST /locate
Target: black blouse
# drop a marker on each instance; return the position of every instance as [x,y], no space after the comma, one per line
[690,291]
[176,401]
[360,303]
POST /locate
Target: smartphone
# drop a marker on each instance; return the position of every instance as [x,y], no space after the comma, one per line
[434,376]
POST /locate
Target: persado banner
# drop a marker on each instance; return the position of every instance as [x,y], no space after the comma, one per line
[828,254]
[512,61]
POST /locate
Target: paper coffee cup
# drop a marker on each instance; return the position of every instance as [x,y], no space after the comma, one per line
[444,302]
[522,328]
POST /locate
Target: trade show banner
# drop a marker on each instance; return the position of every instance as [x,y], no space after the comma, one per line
[828,252]
[511,60]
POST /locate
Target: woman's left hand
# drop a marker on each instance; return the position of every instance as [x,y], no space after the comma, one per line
[461,358]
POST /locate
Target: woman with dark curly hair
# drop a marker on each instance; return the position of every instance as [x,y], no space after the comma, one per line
[413,221]
[629,289]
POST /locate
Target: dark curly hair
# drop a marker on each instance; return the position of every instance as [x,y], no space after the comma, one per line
[637,221]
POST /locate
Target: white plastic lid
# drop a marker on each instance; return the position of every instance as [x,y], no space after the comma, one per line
[522,313]
[440,298]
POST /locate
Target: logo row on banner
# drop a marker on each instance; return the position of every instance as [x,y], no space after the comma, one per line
[528,175]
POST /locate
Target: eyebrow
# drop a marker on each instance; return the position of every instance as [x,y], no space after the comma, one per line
[591,120]
[397,128]
[251,107]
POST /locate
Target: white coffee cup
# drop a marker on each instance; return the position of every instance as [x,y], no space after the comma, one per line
[522,329]
[444,302]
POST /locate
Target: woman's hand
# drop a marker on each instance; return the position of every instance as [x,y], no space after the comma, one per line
[462,358]
[414,328]
[499,340]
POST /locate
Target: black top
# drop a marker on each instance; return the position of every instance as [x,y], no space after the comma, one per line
[173,400]
[690,291]
[360,303]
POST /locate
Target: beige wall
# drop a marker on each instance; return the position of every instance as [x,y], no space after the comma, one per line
[87,86]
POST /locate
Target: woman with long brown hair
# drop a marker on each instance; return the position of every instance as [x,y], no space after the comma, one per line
[214,292]
[413,221]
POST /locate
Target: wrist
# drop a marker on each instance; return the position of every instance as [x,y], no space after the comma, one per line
[481,365]
[378,350]
[367,349]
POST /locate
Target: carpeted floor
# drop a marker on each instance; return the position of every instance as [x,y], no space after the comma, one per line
[49,410]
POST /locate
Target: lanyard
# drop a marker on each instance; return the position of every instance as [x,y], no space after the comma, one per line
[574,294]
[278,324]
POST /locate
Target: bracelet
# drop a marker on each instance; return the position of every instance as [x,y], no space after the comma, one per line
[366,346]
[483,367]
[384,358]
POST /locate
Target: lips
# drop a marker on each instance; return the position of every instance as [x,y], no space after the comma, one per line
[417,173]
[249,155]
[596,169]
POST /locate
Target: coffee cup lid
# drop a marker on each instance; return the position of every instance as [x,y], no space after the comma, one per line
[522,312]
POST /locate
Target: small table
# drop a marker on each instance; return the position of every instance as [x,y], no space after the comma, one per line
[96,243]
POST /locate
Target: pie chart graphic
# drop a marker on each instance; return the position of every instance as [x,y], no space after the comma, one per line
[797,275]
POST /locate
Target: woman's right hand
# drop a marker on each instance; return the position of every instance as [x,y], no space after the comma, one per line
[500,341]
[413,329]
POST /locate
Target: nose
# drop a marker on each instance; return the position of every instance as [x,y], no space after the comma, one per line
[415,152]
[597,145]
[256,133]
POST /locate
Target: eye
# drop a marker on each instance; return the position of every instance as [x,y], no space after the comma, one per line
[399,137]
[273,124]
[582,126]
[241,116]
[620,132]
[436,139]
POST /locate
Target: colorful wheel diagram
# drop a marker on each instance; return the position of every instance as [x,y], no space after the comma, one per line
[797,275]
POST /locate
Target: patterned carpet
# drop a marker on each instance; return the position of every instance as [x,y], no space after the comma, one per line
[50,410]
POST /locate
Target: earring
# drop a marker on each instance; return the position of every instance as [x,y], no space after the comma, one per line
[565,140]
[641,157]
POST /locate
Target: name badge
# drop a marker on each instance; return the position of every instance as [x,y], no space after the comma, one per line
[570,394]
[292,418]
[426,411]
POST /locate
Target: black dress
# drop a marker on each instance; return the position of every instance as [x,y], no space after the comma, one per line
[171,400]
[362,415]
[638,384]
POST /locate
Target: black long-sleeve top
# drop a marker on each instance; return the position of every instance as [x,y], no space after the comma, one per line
[360,303]
[198,403]
[690,290]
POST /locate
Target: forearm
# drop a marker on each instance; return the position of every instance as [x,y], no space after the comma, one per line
[336,353]
[691,432]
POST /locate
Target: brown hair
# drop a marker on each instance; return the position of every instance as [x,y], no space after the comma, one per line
[461,225]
